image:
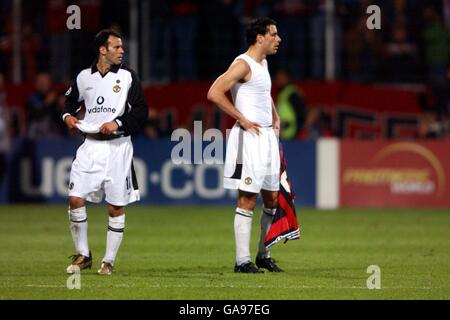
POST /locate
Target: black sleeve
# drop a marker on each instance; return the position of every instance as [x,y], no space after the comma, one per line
[72,95]
[136,112]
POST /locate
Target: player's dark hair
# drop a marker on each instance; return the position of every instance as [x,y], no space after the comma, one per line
[101,39]
[258,26]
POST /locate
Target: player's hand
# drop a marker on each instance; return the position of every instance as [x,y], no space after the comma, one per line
[249,126]
[71,122]
[109,127]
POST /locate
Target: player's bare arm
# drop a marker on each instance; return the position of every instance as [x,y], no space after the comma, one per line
[275,120]
[238,71]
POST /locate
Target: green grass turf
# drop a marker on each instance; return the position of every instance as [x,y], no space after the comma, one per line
[188,253]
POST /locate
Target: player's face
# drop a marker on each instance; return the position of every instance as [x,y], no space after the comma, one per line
[115,51]
[272,40]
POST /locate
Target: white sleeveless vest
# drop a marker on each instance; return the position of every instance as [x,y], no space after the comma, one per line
[252,98]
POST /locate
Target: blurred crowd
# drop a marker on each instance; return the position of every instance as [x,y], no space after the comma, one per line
[193,39]
[197,40]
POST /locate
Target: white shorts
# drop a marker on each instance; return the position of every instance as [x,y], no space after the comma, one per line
[104,168]
[252,161]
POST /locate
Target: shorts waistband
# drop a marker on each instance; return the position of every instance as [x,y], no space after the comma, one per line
[101,136]
[264,127]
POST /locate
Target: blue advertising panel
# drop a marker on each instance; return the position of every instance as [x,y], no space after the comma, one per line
[301,158]
[38,171]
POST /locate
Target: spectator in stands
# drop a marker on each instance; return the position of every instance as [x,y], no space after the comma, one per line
[317,124]
[152,128]
[41,108]
[159,44]
[298,121]
[291,106]
[441,97]
[184,26]
[401,56]
[4,129]
[429,125]
[61,129]
[59,36]
[362,50]
[293,24]
[436,44]
[446,10]
[434,121]
[222,29]
[395,13]
[5,39]
[92,14]
[31,46]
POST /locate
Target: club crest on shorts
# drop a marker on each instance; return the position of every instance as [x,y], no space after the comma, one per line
[248,181]
[71,186]
[116,88]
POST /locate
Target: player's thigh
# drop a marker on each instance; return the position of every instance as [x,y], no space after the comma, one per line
[115,211]
[88,169]
[121,185]
[254,156]
[271,182]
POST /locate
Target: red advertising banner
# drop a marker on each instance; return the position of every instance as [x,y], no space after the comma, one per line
[394,174]
[356,111]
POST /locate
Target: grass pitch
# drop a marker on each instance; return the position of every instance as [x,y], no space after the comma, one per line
[188,253]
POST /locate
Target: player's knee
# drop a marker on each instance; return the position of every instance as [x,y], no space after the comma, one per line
[271,203]
[115,211]
[270,199]
[247,200]
[248,204]
[75,202]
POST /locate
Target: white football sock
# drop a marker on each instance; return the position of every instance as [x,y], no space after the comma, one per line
[114,237]
[242,233]
[78,228]
[266,221]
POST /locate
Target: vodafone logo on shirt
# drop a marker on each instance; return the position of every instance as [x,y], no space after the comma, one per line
[101,109]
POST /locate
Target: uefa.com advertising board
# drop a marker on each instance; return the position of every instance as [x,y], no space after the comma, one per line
[378,174]
[39,171]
